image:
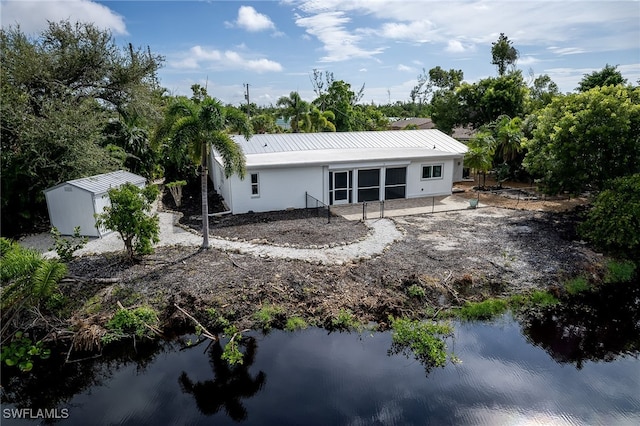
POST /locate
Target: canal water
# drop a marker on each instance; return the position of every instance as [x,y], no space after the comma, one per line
[566,367]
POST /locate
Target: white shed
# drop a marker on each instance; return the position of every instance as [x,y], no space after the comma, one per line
[75,202]
[340,168]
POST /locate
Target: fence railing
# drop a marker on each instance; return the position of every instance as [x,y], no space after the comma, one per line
[321,208]
[369,204]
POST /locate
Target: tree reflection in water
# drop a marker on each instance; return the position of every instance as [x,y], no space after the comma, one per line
[230,384]
[594,326]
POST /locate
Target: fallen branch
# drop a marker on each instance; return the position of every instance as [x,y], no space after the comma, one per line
[205,332]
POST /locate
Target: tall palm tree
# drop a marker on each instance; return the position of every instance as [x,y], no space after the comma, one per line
[293,107]
[201,125]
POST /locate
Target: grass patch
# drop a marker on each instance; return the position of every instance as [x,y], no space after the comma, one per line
[619,271]
[577,285]
[295,323]
[542,299]
[485,310]
[266,316]
[217,320]
[345,321]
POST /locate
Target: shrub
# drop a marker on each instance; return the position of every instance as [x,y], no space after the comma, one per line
[614,221]
[345,321]
[424,340]
[619,271]
[416,291]
[21,352]
[136,322]
[267,315]
[65,247]
[129,215]
[577,285]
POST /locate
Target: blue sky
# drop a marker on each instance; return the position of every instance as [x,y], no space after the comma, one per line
[274,45]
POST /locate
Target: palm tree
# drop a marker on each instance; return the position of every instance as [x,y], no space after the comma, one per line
[202,124]
[293,107]
[480,154]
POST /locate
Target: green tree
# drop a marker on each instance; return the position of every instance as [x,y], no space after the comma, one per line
[263,123]
[59,90]
[445,110]
[503,54]
[199,126]
[130,216]
[608,76]
[340,100]
[613,223]
[480,154]
[483,102]
[294,108]
[583,140]
[318,121]
[542,92]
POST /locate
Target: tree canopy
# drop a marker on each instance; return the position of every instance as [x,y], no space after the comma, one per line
[583,140]
[608,76]
[59,91]
[503,54]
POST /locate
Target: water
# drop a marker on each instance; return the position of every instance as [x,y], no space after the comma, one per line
[547,371]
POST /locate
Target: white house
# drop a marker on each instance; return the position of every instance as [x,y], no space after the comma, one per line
[339,168]
[74,203]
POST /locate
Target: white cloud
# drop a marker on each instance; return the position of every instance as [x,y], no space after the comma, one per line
[528,60]
[32,16]
[252,20]
[405,68]
[416,31]
[566,50]
[338,43]
[200,57]
[455,46]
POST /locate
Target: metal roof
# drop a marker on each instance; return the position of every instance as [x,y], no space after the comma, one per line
[100,184]
[315,148]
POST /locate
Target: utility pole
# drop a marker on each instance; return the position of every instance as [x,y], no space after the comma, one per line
[246,96]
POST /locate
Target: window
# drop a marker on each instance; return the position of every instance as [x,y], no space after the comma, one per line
[368,185]
[432,171]
[255,187]
[395,183]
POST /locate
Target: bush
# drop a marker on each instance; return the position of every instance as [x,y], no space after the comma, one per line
[424,340]
[65,247]
[129,215]
[345,321]
[577,285]
[613,223]
[620,272]
[266,316]
[135,322]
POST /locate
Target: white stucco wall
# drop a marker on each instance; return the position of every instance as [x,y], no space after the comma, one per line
[418,187]
[279,189]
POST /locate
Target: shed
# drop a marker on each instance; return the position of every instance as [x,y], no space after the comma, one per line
[339,168]
[75,202]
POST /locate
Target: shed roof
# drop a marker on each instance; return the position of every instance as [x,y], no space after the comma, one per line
[99,184]
[302,149]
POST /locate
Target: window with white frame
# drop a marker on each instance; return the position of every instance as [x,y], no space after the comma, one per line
[431,171]
[255,185]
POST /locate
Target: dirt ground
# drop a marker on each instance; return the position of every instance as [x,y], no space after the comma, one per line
[443,260]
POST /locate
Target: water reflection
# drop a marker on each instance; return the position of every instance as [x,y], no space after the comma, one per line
[230,384]
[594,326]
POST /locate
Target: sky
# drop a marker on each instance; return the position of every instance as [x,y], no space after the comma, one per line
[274,46]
